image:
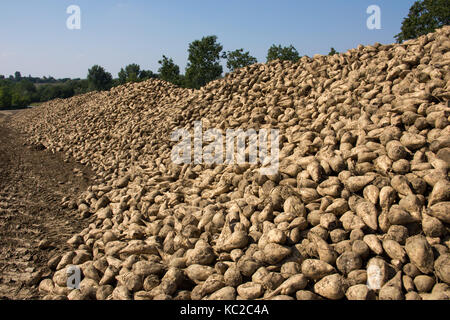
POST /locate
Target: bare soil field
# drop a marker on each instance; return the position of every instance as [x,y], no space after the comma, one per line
[33,225]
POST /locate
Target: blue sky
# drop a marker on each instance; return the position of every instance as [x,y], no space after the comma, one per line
[36,41]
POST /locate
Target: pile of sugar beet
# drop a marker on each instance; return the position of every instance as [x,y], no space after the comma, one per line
[359,209]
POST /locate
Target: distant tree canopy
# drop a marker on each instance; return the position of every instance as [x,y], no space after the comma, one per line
[22,93]
[147,74]
[99,79]
[169,71]
[204,65]
[130,73]
[424,16]
[282,53]
[133,73]
[238,59]
[17,91]
[17,77]
[332,52]
[203,62]
[5,97]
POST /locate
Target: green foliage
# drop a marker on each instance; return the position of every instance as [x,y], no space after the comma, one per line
[130,73]
[133,73]
[203,62]
[116,82]
[26,87]
[78,86]
[147,74]
[169,71]
[424,17]
[122,76]
[18,94]
[203,66]
[332,52]
[99,79]
[53,91]
[238,59]
[18,100]
[182,81]
[23,93]
[5,96]
[282,53]
[18,77]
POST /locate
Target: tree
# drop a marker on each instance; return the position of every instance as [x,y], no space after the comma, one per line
[332,52]
[203,62]
[81,86]
[122,76]
[238,59]
[282,53]
[130,73]
[147,74]
[5,96]
[18,100]
[26,86]
[47,92]
[17,76]
[22,93]
[169,71]
[99,79]
[424,16]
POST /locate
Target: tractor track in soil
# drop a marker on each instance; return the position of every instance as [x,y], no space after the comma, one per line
[33,182]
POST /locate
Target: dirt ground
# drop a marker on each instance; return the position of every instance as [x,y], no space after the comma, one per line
[33,182]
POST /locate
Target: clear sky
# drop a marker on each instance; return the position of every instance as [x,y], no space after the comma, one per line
[114,33]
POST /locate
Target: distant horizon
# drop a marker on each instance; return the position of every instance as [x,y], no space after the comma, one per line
[37,42]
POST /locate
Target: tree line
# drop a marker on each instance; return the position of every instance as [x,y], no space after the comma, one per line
[204,63]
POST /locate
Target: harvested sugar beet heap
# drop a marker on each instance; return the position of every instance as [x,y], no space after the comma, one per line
[360,207]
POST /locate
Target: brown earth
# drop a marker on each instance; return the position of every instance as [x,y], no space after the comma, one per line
[34,226]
